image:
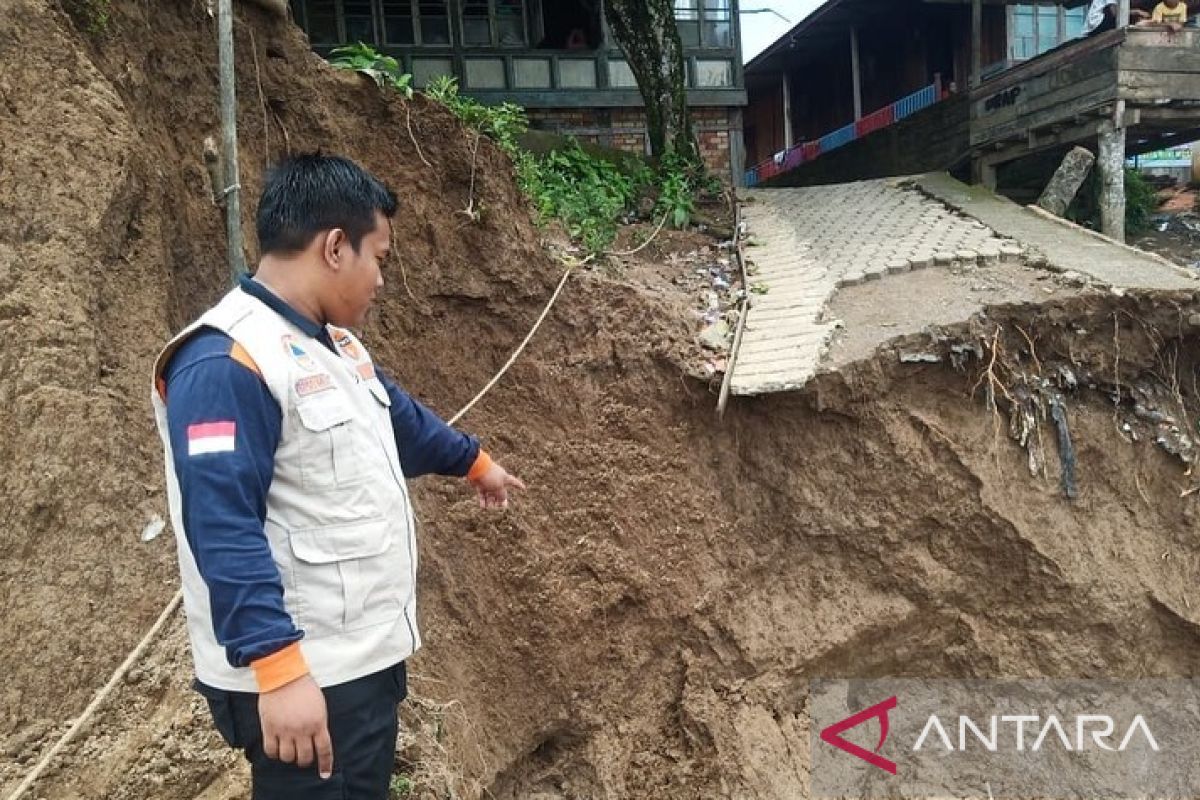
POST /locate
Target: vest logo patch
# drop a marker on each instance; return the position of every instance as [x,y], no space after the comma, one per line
[313,384]
[299,354]
[346,344]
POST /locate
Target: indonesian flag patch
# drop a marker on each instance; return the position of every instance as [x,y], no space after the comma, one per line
[211,437]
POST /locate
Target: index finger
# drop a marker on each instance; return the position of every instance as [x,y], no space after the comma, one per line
[514,481]
[324,753]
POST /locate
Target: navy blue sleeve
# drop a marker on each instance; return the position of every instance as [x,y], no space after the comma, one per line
[224,491]
[427,444]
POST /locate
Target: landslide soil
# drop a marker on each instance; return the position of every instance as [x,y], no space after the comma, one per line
[645,619]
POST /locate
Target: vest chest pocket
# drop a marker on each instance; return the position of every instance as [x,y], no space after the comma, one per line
[345,577]
[330,443]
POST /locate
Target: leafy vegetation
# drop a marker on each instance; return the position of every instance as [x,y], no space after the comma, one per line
[93,16]
[401,787]
[589,194]
[503,124]
[1141,203]
[384,70]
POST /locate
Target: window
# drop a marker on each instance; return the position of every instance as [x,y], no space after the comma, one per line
[398,22]
[321,22]
[374,22]
[425,70]
[713,73]
[1035,28]
[359,21]
[494,23]
[620,76]
[718,24]
[577,73]
[531,73]
[484,73]
[705,23]
[433,22]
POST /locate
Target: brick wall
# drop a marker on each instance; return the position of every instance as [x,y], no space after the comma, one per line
[625,129]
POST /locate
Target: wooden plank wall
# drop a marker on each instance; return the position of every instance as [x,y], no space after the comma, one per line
[1158,65]
[1042,93]
[764,123]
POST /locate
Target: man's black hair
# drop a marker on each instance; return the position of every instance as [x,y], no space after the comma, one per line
[306,194]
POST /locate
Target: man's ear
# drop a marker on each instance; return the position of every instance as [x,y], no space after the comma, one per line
[335,241]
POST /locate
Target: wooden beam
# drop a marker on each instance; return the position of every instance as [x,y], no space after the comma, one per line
[787,110]
[976,42]
[232,190]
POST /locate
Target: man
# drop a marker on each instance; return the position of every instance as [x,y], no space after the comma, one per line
[287,451]
[1102,16]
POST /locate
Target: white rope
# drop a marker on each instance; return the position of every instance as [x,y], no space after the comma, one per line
[641,246]
[83,718]
[516,353]
[159,623]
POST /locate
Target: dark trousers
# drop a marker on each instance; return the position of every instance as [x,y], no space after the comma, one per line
[362,724]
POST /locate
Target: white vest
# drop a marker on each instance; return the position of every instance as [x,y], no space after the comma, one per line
[339,521]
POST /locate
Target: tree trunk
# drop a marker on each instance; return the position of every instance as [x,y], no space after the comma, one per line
[645,30]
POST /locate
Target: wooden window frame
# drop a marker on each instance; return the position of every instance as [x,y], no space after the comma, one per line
[379,25]
[1060,32]
[493,27]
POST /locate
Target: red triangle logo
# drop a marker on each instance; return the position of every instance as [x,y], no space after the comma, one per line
[832,734]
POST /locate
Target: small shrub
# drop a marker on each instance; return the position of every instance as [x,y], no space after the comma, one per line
[1141,201]
[503,124]
[384,70]
[586,193]
[93,16]
[400,788]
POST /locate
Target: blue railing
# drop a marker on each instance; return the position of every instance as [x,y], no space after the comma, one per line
[916,101]
[792,157]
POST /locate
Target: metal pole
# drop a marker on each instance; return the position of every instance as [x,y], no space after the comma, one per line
[1123,9]
[232,189]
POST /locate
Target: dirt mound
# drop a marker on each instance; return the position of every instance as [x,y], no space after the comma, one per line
[109,240]
[645,621]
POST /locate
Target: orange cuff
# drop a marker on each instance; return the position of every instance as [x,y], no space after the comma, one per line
[280,668]
[483,462]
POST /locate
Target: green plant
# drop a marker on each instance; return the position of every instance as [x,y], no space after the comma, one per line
[1141,202]
[676,197]
[94,16]
[400,787]
[384,70]
[586,193]
[502,123]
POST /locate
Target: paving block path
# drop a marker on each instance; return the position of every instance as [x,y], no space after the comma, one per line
[812,241]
